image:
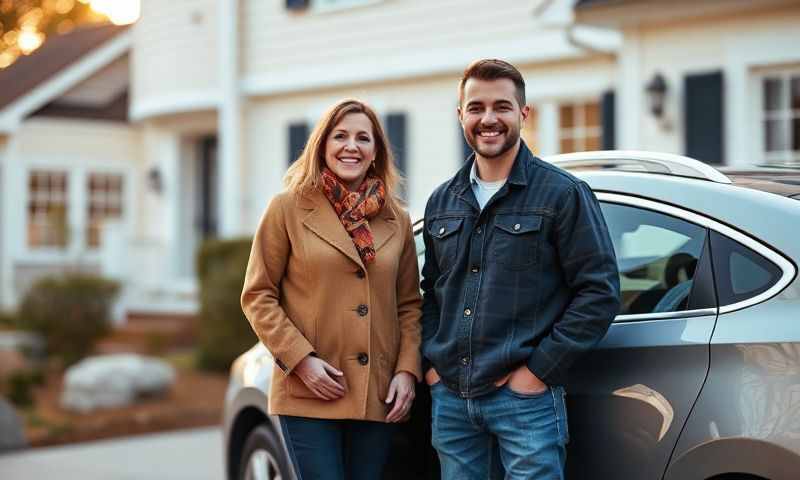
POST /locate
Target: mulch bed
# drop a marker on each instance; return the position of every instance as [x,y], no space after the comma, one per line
[195,400]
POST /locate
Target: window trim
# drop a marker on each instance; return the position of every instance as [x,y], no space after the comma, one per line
[780,157]
[320,7]
[787,267]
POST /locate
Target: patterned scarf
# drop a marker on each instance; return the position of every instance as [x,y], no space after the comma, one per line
[355,209]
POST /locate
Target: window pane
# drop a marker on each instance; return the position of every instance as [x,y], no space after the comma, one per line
[593,143]
[592,114]
[773,92]
[566,115]
[775,136]
[657,256]
[741,273]
[567,145]
[796,93]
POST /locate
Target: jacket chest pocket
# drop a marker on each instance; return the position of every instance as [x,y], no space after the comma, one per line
[516,240]
[445,232]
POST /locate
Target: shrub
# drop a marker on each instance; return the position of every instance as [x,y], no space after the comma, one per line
[7,320]
[19,386]
[224,332]
[70,311]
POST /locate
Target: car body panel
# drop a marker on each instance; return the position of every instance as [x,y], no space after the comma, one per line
[752,395]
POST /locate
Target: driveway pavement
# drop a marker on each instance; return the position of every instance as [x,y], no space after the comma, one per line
[187,454]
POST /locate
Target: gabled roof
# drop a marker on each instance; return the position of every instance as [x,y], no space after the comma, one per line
[57,53]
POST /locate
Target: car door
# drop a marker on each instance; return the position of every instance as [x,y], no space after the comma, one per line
[629,398]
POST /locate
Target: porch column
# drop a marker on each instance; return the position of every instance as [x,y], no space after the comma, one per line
[230,214]
[630,97]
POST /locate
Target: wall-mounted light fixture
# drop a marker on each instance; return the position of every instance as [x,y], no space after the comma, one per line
[154,180]
[657,93]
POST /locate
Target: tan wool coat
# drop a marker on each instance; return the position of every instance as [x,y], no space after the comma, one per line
[307,290]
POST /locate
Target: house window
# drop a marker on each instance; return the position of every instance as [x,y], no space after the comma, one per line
[530,130]
[47,209]
[781,117]
[104,202]
[580,128]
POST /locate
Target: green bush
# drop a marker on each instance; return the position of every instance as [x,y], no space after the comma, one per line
[70,311]
[7,320]
[19,386]
[224,332]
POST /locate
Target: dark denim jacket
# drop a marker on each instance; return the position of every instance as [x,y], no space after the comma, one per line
[530,279]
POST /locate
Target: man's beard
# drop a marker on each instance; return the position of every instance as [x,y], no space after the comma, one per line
[512,136]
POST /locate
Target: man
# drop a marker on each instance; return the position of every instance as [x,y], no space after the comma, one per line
[519,280]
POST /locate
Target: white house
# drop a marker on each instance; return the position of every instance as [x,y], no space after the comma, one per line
[221,95]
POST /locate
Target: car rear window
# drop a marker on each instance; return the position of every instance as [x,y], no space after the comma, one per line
[741,272]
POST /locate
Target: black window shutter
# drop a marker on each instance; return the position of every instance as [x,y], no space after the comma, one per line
[703,117]
[396,130]
[298,136]
[609,134]
[296,4]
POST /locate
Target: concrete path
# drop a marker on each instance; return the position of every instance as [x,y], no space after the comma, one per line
[183,455]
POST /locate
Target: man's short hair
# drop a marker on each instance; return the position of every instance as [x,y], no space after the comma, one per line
[493,69]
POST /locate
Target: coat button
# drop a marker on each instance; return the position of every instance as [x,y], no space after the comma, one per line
[474,269]
[360,273]
[517,226]
[363,358]
[465,361]
[467,312]
[478,230]
[441,231]
[362,310]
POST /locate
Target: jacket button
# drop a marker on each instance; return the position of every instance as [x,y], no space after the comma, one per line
[467,312]
[362,310]
[363,358]
[475,269]
[441,230]
[465,360]
[517,226]
[478,230]
[360,273]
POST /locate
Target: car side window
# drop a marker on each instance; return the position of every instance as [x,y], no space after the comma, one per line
[657,256]
[741,273]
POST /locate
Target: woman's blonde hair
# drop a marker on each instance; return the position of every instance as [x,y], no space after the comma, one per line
[304,175]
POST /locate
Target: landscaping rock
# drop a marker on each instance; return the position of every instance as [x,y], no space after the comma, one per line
[12,435]
[113,381]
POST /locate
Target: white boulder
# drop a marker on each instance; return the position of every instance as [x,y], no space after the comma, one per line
[113,381]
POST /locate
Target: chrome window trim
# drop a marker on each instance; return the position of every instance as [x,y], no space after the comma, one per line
[700,312]
[787,267]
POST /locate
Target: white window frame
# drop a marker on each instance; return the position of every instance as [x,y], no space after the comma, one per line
[77,248]
[788,156]
[579,124]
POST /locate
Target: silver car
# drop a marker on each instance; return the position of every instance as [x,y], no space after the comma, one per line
[699,375]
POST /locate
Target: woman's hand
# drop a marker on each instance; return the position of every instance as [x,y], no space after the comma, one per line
[401,391]
[321,378]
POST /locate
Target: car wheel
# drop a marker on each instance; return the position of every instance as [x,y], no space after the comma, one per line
[263,457]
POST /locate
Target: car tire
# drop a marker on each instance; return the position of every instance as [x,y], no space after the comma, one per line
[263,457]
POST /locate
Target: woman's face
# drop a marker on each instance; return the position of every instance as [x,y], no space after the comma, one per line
[350,149]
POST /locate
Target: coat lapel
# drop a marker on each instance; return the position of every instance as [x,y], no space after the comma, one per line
[322,220]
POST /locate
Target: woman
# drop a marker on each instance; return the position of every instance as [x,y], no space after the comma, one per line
[332,290]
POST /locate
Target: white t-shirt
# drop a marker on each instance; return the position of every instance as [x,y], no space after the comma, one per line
[483,190]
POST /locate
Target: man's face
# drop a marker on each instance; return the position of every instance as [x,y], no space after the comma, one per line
[491,116]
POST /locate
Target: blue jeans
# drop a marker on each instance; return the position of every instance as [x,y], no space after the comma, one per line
[323,449]
[527,432]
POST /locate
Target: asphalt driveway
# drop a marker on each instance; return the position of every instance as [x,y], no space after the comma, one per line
[189,454]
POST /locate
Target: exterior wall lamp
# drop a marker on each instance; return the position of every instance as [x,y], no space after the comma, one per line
[154,180]
[657,92]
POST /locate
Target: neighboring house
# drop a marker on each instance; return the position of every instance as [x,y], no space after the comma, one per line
[731,69]
[138,143]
